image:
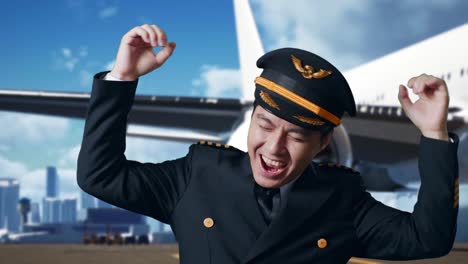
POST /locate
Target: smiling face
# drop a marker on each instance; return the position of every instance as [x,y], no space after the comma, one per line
[279,150]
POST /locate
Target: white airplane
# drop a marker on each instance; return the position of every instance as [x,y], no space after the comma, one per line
[379,134]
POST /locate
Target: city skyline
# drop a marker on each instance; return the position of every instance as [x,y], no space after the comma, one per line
[52,208]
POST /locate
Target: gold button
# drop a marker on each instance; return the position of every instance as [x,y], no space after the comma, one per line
[322,243]
[208,222]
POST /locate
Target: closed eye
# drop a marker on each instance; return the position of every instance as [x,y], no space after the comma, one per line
[300,140]
[267,128]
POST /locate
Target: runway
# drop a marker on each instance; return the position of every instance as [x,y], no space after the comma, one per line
[151,254]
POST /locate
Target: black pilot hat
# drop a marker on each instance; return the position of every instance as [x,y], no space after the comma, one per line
[303,88]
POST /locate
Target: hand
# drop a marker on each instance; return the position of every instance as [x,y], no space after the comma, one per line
[136,56]
[429,112]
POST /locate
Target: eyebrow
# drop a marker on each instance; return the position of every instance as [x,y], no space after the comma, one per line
[264,118]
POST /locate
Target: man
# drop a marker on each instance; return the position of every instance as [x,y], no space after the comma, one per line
[271,205]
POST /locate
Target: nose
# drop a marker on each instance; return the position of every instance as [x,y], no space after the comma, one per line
[276,143]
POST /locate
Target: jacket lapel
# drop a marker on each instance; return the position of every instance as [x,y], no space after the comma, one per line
[307,195]
[246,205]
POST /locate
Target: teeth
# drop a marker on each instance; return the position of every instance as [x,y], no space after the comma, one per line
[273,163]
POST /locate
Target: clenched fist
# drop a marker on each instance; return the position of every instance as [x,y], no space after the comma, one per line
[136,56]
[429,112]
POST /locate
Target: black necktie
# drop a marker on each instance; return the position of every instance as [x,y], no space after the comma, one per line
[269,202]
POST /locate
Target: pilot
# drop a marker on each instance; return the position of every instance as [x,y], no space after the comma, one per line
[272,204]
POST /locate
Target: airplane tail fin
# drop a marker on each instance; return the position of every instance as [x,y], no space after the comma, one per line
[250,47]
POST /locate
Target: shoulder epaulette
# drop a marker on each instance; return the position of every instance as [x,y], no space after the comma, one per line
[216,145]
[334,165]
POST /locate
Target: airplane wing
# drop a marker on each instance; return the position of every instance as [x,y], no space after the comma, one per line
[196,118]
[378,128]
[190,119]
[193,118]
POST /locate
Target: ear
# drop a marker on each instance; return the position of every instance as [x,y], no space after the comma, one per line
[326,140]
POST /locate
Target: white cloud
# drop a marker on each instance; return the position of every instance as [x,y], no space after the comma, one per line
[108,12]
[4,148]
[219,82]
[31,128]
[145,150]
[66,52]
[68,185]
[32,183]
[77,63]
[439,4]
[83,52]
[69,157]
[11,169]
[86,77]
[70,64]
[313,26]
[64,59]
[347,32]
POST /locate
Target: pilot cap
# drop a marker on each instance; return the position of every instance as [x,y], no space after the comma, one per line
[303,88]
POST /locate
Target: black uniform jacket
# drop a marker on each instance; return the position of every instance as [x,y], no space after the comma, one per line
[208,199]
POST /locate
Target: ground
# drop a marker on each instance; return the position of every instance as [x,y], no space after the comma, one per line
[147,254]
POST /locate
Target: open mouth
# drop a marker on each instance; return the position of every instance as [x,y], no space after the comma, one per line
[272,168]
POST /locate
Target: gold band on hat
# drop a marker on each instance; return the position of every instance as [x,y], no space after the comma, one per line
[297,99]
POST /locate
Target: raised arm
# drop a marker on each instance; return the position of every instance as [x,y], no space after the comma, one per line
[103,170]
[387,233]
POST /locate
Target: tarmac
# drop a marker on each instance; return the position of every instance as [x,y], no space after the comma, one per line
[150,254]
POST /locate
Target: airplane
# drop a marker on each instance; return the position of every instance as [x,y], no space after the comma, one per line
[380,123]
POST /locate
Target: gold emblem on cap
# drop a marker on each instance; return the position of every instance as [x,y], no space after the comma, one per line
[310,120]
[267,99]
[308,71]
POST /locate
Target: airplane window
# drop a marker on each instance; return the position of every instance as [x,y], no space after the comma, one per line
[462,71]
[448,76]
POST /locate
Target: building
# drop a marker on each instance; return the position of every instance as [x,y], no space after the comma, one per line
[68,210]
[52,184]
[51,210]
[10,217]
[102,204]
[56,210]
[35,214]
[87,201]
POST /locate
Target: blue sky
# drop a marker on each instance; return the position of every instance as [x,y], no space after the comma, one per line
[60,45]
